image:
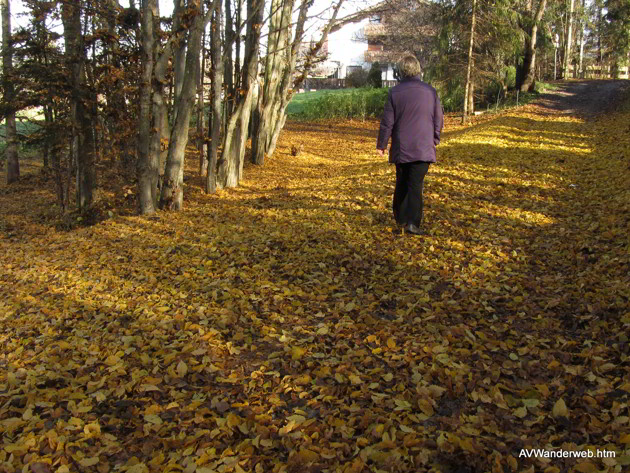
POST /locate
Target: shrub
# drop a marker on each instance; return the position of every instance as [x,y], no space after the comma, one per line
[375,76]
[357,78]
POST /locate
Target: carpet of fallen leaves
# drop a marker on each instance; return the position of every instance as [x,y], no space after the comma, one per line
[284,327]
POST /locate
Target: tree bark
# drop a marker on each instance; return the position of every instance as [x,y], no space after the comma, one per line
[13,163]
[172,188]
[275,64]
[201,73]
[569,41]
[230,168]
[217,87]
[582,35]
[147,163]
[179,57]
[82,136]
[228,74]
[530,55]
[470,59]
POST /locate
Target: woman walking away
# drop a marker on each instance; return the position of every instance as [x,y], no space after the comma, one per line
[413,118]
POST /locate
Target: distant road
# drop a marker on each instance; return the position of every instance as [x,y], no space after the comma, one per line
[585,98]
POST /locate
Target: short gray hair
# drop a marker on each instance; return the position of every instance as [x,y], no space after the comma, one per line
[409,66]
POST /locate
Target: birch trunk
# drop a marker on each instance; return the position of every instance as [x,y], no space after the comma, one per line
[13,163]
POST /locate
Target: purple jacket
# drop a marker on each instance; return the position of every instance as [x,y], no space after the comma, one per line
[413,118]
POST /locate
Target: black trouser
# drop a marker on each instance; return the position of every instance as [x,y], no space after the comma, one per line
[408,193]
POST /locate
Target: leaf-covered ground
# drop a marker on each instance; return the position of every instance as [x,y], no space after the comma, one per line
[283,327]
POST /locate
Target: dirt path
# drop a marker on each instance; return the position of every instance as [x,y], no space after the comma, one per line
[585,98]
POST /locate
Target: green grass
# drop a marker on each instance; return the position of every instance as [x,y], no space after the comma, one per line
[299,101]
[338,104]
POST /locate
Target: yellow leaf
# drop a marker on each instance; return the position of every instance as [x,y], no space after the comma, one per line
[303,380]
[520,412]
[426,407]
[92,430]
[387,377]
[322,330]
[586,467]
[560,409]
[112,360]
[182,369]
[297,353]
[153,419]
[233,420]
[85,462]
[354,379]
[625,438]
[138,468]
[391,343]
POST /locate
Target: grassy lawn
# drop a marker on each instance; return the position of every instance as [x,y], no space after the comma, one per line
[299,101]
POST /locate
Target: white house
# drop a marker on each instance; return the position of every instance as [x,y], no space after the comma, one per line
[348,48]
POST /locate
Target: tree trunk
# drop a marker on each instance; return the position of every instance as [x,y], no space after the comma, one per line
[582,35]
[471,95]
[529,65]
[237,45]
[228,74]
[568,42]
[179,59]
[83,139]
[275,64]
[230,168]
[13,163]
[172,195]
[217,87]
[470,60]
[147,164]
[201,73]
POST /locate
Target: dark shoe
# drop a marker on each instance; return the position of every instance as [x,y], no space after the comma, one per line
[413,230]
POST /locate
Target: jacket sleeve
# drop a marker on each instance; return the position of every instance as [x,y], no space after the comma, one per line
[387,123]
[438,120]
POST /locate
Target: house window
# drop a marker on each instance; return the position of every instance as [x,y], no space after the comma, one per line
[376,19]
[352,69]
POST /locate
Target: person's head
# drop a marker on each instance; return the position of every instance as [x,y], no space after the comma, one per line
[409,66]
